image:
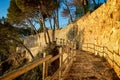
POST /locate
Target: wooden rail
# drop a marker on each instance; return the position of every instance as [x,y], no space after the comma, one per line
[103,51]
[16,73]
[64,64]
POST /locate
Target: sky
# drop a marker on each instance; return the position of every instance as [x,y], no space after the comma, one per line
[4,4]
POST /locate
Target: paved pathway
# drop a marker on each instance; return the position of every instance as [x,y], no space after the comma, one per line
[90,67]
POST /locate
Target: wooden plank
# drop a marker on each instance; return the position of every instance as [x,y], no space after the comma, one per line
[16,73]
[57,72]
[44,67]
[54,58]
[48,78]
[64,65]
[60,64]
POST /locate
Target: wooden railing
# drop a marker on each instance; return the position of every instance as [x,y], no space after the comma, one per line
[66,56]
[64,65]
[111,56]
[12,75]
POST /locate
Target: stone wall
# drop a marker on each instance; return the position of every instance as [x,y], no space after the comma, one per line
[36,43]
[101,27]
[38,40]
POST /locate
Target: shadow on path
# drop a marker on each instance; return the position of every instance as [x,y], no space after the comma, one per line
[90,67]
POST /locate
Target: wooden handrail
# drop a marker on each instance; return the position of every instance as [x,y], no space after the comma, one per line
[104,47]
[64,67]
[14,74]
[48,59]
[54,58]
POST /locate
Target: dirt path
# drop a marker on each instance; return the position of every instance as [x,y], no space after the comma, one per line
[90,67]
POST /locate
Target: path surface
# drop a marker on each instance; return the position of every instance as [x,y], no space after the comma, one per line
[90,67]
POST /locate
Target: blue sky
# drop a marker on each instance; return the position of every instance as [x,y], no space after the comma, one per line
[4,4]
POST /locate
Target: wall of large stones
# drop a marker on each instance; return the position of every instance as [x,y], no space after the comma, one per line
[36,43]
[39,41]
[102,27]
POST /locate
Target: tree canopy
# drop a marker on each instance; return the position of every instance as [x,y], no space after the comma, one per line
[10,37]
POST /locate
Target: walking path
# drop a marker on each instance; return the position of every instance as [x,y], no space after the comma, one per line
[90,67]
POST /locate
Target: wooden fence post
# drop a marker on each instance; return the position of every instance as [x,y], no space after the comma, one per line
[44,68]
[60,64]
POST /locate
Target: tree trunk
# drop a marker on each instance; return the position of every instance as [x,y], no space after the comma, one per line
[53,31]
[33,27]
[94,2]
[83,8]
[57,19]
[45,32]
[83,5]
[70,15]
[48,36]
[87,2]
[49,19]
[105,1]
[41,23]
[20,44]
[98,2]
[50,23]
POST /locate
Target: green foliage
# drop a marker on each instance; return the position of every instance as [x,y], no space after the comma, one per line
[79,12]
[40,29]
[10,38]
[25,31]
[19,15]
[30,12]
[7,45]
[84,6]
[14,13]
[6,30]
[8,35]
[20,9]
[34,74]
[27,5]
